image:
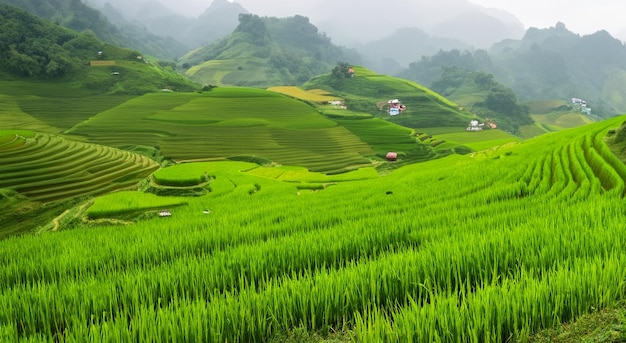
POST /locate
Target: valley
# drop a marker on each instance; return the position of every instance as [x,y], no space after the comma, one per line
[257,189]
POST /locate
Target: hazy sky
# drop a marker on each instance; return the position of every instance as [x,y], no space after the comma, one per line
[580,16]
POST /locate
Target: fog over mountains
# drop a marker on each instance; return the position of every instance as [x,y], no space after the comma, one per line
[352,22]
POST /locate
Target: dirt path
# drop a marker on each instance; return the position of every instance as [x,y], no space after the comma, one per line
[57,221]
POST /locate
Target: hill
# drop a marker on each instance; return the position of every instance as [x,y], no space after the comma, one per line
[77,16]
[481,94]
[440,123]
[41,168]
[217,21]
[546,64]
[229,123]
[348,22]
[487,247]
[264,52]
[365,89]
[392,54]
[39,50]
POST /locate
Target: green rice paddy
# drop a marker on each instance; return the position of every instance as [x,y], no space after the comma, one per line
[229,122]
[47,167]
[472,248]
[312,240]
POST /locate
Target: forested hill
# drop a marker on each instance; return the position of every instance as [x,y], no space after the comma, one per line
[33,48]
[77,16]
[266,51]
[480,93]
[30,46]
[552,63]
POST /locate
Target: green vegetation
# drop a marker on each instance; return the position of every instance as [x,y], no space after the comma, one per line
[33,48]
[600,326]
[552,63]
[481,94]
[487,247]
[39,172]
[366,94]
[477,141]
[186,174]
[364,91]
[265,52]
[80,17]
[229,122]
[45,167]
[313,95]
[286,223]
[119,204]
[299,174]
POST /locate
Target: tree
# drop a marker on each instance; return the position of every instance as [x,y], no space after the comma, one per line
[253,27]
[341,71]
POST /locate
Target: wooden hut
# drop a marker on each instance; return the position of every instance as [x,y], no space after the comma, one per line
[391,156]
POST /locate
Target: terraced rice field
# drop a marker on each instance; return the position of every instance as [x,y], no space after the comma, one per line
[47,167]
[314,95]
[229,122]
[476,140]
[482,248]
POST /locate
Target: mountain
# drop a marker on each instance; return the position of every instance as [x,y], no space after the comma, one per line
[37,49]
[77,16]
[216,22]
[393,53]
[350,23]
[479,27]
[552,63]
[264,52]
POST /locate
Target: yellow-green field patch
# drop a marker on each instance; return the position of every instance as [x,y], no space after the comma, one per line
[315,95]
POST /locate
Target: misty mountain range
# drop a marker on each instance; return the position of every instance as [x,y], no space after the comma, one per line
[348,23]
[411,39]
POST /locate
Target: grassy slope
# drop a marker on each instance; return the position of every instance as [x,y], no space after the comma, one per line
[239,122]
[553,115]
[425,108]
[427,112]
[228,122]
[464,220]
[45,172]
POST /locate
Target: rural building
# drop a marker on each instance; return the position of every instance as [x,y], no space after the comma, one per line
[395,107]
[475,126]
[391,156]
[338,104]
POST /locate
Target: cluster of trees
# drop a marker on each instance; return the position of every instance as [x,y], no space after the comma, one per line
[77,16]
[30,46]
[253,30]
[491,99]
[291,50]
[551,63]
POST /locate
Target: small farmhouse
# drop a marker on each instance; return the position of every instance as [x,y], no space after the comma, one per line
[392,156]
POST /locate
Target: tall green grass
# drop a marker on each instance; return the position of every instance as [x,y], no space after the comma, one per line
[472,248]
